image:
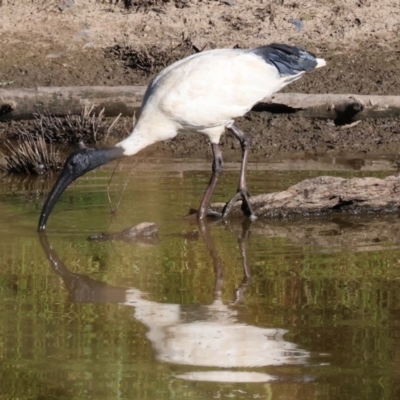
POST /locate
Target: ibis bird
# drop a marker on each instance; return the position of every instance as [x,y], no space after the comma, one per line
[202,93]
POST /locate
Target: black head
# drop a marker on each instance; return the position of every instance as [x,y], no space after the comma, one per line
[288,60]
[76,165]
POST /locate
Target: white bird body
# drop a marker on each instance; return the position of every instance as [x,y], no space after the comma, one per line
[202,93]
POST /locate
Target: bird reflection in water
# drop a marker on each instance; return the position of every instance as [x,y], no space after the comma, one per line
[195,335]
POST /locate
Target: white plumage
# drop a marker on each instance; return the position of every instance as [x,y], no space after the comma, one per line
[202,93]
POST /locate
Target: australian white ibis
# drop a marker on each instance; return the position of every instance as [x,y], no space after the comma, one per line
[202,93]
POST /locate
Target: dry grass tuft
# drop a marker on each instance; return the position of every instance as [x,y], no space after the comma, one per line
[144,5]
[87,127]
[153,58]
[154,5]
[31,156]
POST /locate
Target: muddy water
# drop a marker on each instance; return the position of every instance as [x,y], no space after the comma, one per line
[305,309]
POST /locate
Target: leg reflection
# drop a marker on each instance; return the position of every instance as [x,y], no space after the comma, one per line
[204,228]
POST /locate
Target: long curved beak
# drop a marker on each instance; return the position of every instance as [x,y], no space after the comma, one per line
[63,181]
[76,165]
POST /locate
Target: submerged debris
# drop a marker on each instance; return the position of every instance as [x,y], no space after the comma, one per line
[88,127]
[145,233]
[31,156]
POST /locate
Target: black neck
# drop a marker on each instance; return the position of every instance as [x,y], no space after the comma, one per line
[104,155]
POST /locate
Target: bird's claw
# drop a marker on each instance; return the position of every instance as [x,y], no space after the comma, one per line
[242,194]
[214,214]
[247,209]
[208,214]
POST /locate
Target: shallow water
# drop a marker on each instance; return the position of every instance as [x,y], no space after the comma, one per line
[304,309]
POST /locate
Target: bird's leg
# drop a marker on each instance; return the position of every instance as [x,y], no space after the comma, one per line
[216,171]
[242,192]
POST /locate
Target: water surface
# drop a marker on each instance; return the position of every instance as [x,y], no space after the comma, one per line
[302,309]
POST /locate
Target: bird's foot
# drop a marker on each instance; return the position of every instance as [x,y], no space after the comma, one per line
[213,214]
[199,215]
[242,194]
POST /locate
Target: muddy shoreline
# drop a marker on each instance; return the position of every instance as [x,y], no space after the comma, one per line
[70,47]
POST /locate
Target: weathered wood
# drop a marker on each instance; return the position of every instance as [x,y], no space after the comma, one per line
[327,194]
[24,103]
[343,108]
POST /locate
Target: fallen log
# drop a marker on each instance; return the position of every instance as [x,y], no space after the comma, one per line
[19,104]
[125,100]
[327,194]
[341,108]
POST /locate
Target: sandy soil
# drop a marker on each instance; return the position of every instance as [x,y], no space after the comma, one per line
[88,42]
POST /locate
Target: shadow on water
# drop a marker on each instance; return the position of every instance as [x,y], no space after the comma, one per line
[196,335]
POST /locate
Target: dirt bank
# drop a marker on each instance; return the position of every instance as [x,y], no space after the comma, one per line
[69,43]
